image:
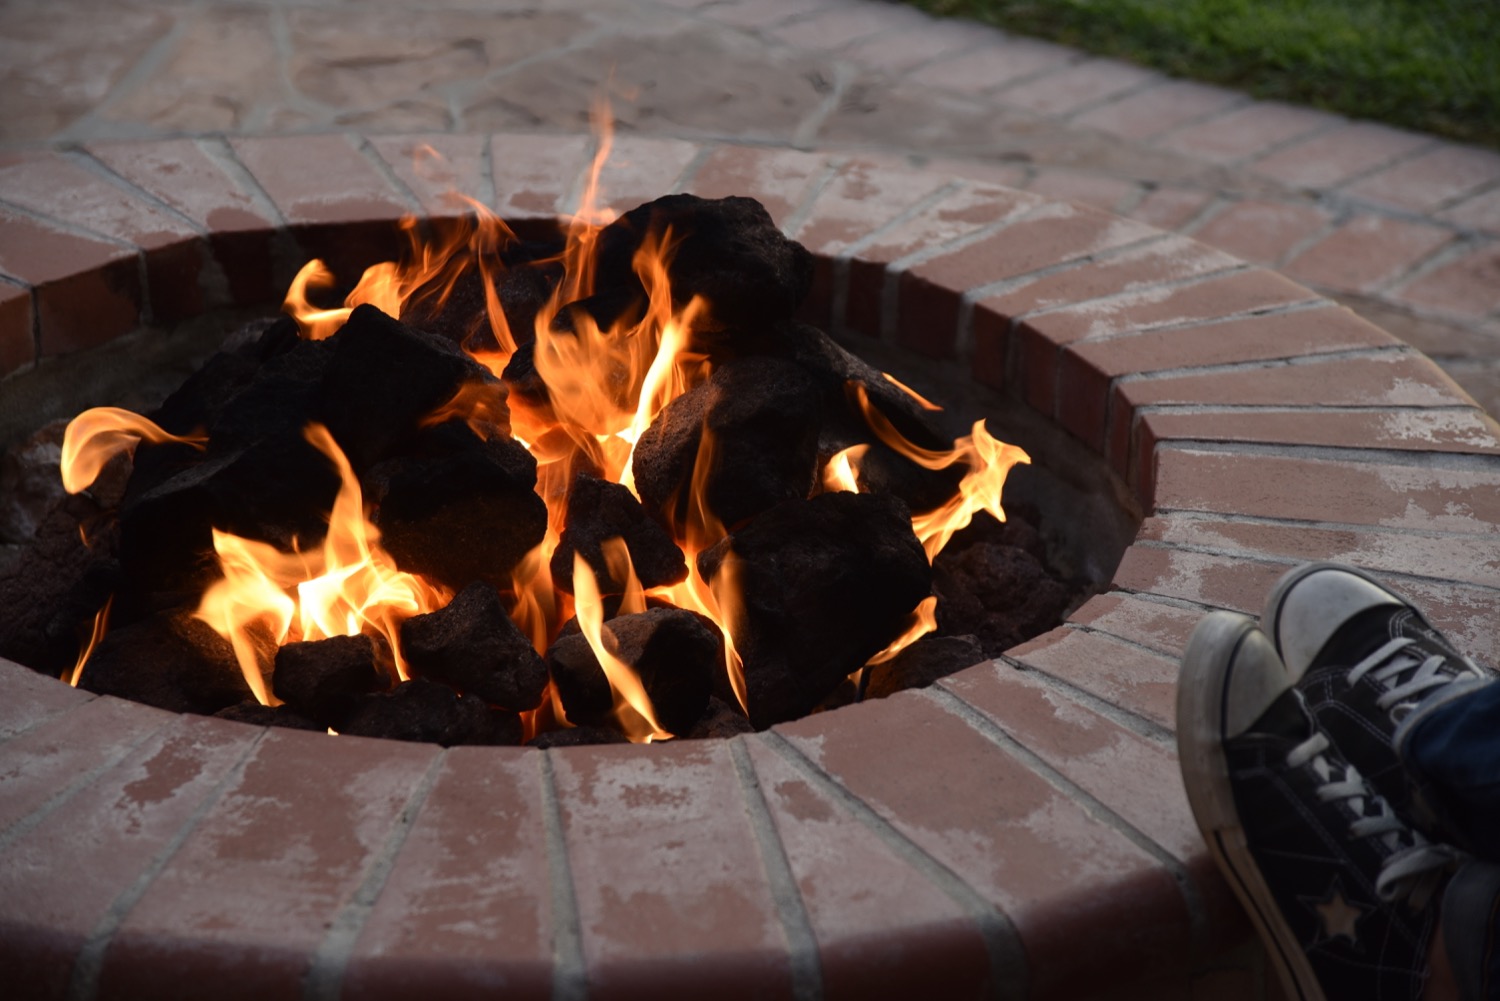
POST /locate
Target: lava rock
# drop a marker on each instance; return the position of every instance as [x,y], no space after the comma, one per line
[727,250]
[322,679]
[720,721]
[457,508]
[824,584]
[462,315]
[1001,594]
[599,510]
[758,420]
[255,714]
[428,712]
[673,652]
[922,663]
[383,378]
[472,645]
[174,662]
[578,736]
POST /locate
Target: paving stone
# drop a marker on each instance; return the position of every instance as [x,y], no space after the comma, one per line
[441,170]
[467,910]
[1327,159]
[1401,429]
[1169,207]
[1247,131]
[1099,190]
[60,189]
[1367,252]
[1072,89]
[838,27]
[695,885]
[55,66]
[319,179]
[1159,109]
[1135,679]
[59,881]
[1467,286]
[1481,212]
[1389,379]
[1263,232]
[1162,627]
[779,179]
[32,698]
[896,52]
[17,328]
[851,895]
[534,182]
[272,863]
[761,13]
[641,169]
[181,174]
[1012,836]
[875,108]
[860,199]
[1430,180]
[1003,61]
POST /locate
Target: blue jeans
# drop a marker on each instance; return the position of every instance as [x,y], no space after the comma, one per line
[1453,758]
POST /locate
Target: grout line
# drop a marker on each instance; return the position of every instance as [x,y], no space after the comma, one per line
[569,974]
[1416,152]
[221,151]
[694,167]
[1150,83]
[1219,517]
[324,980]
[802,943]
[86,160]
[805,135]
[138,73]
[1445,461]
[1300,306]
[1267,364]
[1170,285]
[811,193]
[487,193]
[1246,162]
[1157,138]
[1137,724]
[83,981]
[364,148]
[1002,942]
[1438,257]
[932,198]
[1092,805]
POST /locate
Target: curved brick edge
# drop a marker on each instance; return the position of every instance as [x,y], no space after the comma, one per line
[1018,830]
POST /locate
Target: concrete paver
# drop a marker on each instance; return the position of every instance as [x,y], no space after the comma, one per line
[1400,224]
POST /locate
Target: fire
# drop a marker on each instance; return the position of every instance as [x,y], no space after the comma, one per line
[101,625]
[347,586]
[98,435]
[632,706]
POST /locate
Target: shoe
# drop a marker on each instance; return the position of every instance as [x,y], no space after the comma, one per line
[1343,893]
[1371,667]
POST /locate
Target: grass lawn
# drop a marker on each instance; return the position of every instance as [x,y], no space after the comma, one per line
[1430,65]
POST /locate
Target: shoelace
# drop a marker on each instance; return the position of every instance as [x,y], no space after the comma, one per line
[1413,869]
[1388,665]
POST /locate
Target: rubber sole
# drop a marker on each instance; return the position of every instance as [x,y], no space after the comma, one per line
[1203,685]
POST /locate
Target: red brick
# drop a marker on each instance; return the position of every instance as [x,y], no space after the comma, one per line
[641,169]
[46,759]
[534,175]
[1390,379]
[1431,179]
[693,883]
[1163,628]
[1071,89]
[441,170]
[1402,429]
[994,65]
[1007,175]
[1262,232]
[1480,212]
[60,880]
[246,900]
[1170,207]
[1099,190]
[860,199]
[87,291]
[178,172]
[32,698]
[1159,109]
[1240,584]
[895,52]
[466,912]
[1246,131]
[1011,836]
[759,13]
[1361,493]
[17,328]
[1367,252]
[836,28]
[991,333]
[53,186]
[1125,675]
[1330,158]
[780,179]
[853,897]
[1166,260]
[319,179]
[1467,286]
[1212,298]
[1467,559]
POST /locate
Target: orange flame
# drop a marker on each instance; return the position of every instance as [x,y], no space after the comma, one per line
[349,585]
[921,621]
[101,626]
[98,435]
[632,707]
[988,459]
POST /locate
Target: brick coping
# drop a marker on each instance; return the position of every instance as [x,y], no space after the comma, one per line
[1017,830]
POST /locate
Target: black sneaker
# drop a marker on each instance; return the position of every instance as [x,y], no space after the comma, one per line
[1343,893]
[1371,667]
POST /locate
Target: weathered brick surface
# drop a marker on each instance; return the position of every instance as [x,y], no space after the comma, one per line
[1158,109]
[32,698]
[1263,232]
[1367,252]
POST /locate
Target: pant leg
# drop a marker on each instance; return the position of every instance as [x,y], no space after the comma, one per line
[1452,755]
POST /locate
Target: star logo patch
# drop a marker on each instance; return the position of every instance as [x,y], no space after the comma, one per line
[1337,916]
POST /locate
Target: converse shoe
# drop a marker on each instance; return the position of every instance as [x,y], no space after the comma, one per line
[1343,893]
[1371,667]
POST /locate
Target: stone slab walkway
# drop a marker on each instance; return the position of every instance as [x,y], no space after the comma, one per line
[1400,226]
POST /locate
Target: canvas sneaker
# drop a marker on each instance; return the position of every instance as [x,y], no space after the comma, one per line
[1343,893]
[1370,667]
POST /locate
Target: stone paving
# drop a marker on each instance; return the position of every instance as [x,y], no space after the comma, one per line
[1400,226]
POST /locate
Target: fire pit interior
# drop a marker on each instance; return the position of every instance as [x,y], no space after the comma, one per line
[603,483]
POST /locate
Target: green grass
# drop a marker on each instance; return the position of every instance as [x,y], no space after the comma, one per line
[1429,65]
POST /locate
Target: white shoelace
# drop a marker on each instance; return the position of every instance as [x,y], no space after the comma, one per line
[1413,869]
[1388,665]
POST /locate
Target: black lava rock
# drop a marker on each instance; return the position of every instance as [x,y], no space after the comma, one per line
[473,645]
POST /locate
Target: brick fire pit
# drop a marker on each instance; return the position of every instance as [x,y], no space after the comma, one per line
[1019,830]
